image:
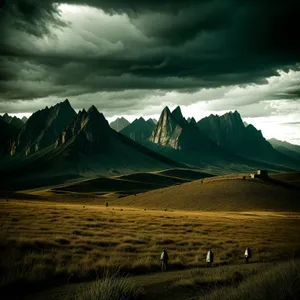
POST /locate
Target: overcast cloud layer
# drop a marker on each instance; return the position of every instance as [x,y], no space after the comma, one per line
[134,57]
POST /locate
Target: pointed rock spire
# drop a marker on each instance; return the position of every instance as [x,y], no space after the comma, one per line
[177,115]
[93,109]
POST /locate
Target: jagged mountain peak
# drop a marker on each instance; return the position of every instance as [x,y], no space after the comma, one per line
[93,109]
[67,102]
[139,120]
[94,114]
[119,124]
[151,121]
[177,113]
[234,114]
[6,117]
[43,128]
[192,120]
[139,130]
[166,110]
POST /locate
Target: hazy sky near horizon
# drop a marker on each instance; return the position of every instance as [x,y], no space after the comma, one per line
[131,58]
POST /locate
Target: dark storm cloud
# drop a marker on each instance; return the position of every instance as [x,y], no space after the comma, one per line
[181,45]
[31,16]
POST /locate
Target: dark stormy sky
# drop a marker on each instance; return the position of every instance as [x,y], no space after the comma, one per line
[133,57]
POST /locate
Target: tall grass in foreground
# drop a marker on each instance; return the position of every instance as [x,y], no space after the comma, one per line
[219,276]
[281,282]
[108,288]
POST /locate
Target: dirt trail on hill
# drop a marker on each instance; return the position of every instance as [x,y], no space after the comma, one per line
[155,285]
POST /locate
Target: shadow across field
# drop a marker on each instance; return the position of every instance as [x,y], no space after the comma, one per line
[133,183]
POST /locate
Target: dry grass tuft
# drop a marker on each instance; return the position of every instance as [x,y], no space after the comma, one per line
[281,282]
[108,288]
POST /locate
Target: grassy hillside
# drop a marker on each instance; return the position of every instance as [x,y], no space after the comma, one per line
[221,193]
[289,178]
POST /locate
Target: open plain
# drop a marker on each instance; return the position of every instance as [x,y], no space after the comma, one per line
[49,241]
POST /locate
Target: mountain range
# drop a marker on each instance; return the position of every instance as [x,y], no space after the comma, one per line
[230,132]
[56,144]
[183,141]
[139,130]
[14,121]
[87,147]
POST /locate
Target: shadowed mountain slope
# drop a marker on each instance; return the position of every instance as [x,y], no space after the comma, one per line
[7,134]
[119,124]
[24,119]
[139,130]
[229,132]
[153,120]
[286,148]
[6,118]
[14,121]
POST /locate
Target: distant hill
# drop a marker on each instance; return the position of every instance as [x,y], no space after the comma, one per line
[222,193]
[229,132]
[43,128]
[88,147]
[139,130]
[286,148]
[119,124]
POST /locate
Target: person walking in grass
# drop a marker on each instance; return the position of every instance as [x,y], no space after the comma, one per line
[164,260]
[209,258]
[248,254]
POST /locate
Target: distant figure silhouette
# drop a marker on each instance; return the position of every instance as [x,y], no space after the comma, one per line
[106,204]
[209,258]
[248,254]
[164,260]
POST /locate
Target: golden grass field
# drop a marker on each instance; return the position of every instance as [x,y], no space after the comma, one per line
[43,240]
